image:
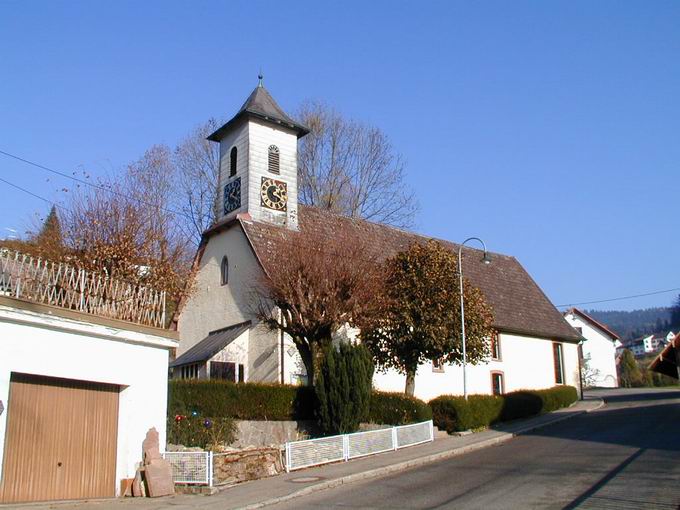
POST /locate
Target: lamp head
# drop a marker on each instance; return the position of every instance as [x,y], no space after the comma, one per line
[486,258]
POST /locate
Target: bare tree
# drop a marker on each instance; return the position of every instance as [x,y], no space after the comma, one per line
[352,169]
[318,284]
[196,161]
[125,227]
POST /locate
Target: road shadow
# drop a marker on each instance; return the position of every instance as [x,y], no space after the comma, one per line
[652,425]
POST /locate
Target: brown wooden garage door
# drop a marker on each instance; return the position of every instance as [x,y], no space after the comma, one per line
[60,441]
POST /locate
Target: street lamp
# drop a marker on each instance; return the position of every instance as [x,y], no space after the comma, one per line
[487,260]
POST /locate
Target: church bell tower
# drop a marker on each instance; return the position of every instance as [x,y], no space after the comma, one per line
[258,162]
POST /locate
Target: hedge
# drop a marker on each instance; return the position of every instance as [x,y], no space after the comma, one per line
[397,409]
[454,413]
[244,401]
[277,402]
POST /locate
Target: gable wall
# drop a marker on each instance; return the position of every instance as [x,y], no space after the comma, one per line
[213,306]
[600,349]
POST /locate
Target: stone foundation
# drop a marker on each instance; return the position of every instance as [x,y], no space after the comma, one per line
[243,465]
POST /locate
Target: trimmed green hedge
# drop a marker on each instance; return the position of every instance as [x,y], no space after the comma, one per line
[276,402]
[453,413]
[397,409]
[244,401]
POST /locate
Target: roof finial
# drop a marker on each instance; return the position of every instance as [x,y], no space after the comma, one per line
[259,77]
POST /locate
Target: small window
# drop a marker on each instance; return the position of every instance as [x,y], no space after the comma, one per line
[559,363]
[274,159]
[225,370]
[233,156]
[224,271]
[241,373]
[497,384]
[496,346]
[437,365]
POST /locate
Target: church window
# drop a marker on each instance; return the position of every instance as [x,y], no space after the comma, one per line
[232,161]
[224,271]
[274,159]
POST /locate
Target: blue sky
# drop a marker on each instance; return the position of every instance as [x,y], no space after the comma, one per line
[549,129]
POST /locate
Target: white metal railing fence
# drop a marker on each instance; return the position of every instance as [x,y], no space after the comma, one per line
[60,284]
[191,467]
[314,452]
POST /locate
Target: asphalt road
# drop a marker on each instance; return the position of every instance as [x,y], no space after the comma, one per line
[624,456]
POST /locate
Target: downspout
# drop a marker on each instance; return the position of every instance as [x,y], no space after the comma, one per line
[281,349]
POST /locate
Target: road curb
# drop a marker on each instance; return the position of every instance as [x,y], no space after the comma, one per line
[420,461]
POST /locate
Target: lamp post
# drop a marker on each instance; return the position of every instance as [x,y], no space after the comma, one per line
[487,260]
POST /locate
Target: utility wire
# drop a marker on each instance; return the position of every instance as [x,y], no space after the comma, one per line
[621,298]
[26,191]
[87,183]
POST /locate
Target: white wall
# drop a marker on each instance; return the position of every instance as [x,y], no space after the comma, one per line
[600,351]
[213,306]
[261,136]
[526,363]
[40,344]
[237,137]
[210,305]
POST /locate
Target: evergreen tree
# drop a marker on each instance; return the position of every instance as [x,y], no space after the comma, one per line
[343,388]
[49,242]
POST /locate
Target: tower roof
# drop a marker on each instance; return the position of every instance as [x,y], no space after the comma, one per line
[260,104]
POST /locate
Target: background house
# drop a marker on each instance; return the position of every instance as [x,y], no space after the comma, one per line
[598,349]
[535,347]
[83,377]
[647,344]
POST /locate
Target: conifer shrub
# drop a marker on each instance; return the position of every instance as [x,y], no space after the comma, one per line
[343,388]
[454,413]
[397,409]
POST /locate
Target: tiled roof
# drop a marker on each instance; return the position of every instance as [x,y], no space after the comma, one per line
[519,305]
[211,344]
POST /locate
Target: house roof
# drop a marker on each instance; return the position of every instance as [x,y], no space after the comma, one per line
[211,344]
[261,104]
[666,362]
[519,305]
[588,318]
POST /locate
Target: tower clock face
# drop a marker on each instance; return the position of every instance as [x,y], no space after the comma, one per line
[232,196]
[274,194]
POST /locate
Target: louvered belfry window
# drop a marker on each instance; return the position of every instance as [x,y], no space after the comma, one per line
[274,159]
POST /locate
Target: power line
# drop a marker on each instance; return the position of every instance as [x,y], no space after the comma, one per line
[621,298]
[26,191]
[87,183]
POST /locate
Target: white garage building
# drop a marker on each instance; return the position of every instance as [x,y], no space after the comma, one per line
[79,388]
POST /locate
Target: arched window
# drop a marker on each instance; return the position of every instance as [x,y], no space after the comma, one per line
[232,161]
[274,159]
[224,271]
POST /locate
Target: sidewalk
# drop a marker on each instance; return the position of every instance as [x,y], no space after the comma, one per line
[268,491]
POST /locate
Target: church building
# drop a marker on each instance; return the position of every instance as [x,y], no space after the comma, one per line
[220,337]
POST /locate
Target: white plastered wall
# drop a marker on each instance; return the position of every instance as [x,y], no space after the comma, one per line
[600,351]
[212,306]
[261,135]
[526,363]
[41,344]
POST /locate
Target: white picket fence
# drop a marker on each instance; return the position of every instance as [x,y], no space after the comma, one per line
[314,452]
[196,468]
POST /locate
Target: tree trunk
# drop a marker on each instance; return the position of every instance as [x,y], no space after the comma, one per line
[410,382]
